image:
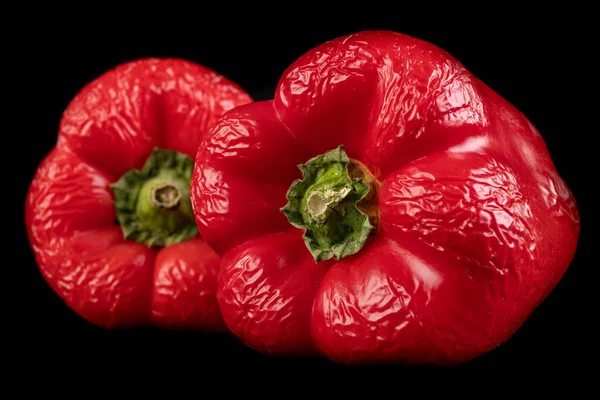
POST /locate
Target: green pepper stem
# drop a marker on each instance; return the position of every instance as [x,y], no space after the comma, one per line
[335,202]
[153,204]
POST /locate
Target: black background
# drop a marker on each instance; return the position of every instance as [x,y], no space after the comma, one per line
[544,72]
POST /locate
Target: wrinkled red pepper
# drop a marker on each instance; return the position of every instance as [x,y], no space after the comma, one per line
[426,224]
[124,153]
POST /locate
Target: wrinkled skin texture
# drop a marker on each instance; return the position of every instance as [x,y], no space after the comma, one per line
[476,225]
[111,126]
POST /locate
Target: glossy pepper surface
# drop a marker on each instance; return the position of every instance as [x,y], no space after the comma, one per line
[108,212]
[385,206]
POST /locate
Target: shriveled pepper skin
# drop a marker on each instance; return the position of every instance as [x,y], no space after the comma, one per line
[476,225]
[111,126]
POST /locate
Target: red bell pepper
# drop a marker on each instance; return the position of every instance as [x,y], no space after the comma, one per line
[124,157]
[425,224]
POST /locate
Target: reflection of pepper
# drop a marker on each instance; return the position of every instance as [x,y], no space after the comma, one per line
[123,154]
[432,219]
